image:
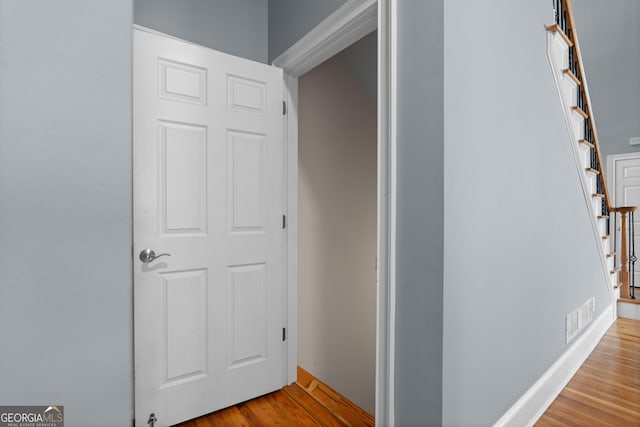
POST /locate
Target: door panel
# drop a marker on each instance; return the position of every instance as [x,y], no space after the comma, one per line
[208,190]
[183,177]
[185,297]
[246,195]
[247,314]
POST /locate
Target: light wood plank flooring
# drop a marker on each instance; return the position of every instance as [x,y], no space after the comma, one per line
[307,402]
[606,389]
[604,392]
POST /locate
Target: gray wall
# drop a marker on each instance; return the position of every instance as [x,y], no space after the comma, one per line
[65,208]
[238,27]
[609,38]
[289,20]
[520,252]
[419,240]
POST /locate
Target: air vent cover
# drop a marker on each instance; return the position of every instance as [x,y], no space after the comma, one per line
[579,318]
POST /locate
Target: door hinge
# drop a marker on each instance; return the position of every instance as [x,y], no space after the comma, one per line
[284,108]
[284,222]
[152,420]
[284,334]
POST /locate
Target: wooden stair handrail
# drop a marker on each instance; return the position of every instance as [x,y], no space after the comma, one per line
[580,76]
[625,209]
[583,108]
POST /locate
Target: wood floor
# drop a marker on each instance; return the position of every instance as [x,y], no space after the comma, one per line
[606,389]
[604,392]
[307,402]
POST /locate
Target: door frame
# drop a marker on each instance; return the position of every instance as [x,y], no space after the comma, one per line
[348,24]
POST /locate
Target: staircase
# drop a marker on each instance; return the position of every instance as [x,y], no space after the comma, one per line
[617,258]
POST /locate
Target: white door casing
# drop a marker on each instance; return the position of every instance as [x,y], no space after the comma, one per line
[208,189]
[624,178]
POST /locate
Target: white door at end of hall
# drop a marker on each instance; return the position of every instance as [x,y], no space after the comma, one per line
[208,190]
[627,193]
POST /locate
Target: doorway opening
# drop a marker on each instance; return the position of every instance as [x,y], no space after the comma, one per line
[351,22]
[337,221]
[623,178]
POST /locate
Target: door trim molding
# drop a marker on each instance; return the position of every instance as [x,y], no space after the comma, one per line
[385,337]
[352,21]
[348,24]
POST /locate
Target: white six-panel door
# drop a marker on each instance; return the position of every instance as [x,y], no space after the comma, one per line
[208,190]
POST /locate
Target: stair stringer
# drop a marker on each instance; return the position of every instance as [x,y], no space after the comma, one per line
[557,51]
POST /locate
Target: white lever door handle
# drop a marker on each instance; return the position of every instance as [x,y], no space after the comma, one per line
[148,255]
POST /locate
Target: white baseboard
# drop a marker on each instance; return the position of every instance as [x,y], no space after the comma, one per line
[532,404]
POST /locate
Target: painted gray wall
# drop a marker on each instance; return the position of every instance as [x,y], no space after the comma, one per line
[289,20]
[609,38]
[65,208]
[519,249]
[238,27]
[362,57]
[419,240]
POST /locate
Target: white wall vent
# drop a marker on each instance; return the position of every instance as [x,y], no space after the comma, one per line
[579,318]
